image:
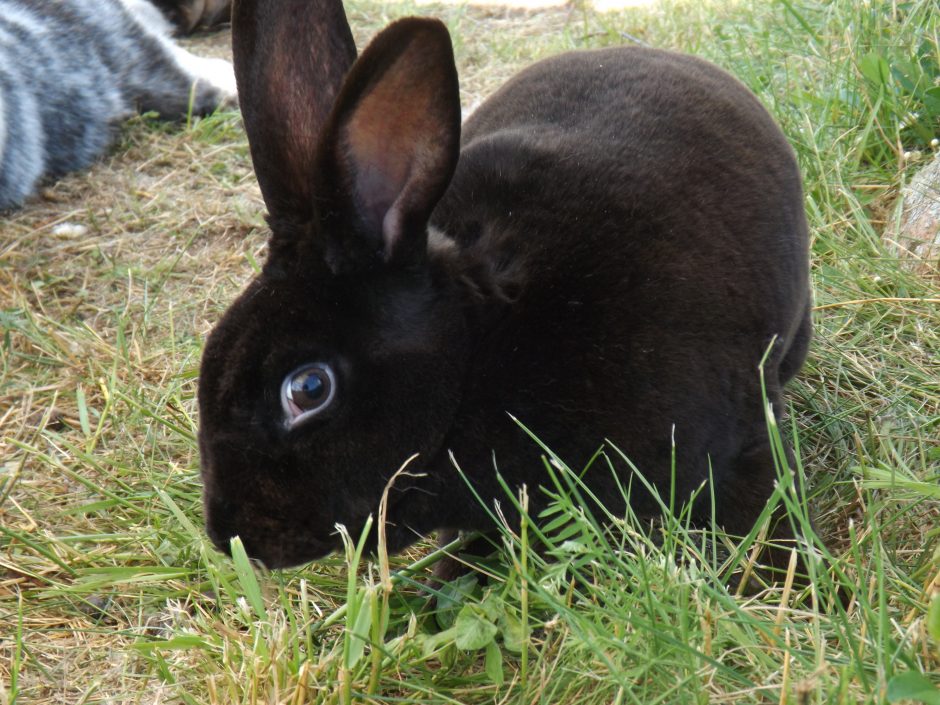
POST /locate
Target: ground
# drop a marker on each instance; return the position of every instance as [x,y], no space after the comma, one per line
[110,280]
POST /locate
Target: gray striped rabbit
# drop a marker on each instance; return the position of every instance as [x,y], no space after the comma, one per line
[70,70]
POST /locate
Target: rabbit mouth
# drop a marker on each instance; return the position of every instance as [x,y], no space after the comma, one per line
[288,555]
[274,544]
[276,552]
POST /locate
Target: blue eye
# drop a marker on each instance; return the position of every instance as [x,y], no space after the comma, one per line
[308,388]
[307,391]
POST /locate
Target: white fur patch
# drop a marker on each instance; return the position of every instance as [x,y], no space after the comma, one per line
[215,72]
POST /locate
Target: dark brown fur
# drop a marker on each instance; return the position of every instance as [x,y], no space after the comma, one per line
[619,242]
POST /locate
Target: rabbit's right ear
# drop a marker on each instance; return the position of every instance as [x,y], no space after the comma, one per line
[290,58]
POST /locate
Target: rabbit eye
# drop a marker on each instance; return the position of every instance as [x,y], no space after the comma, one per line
[306,392]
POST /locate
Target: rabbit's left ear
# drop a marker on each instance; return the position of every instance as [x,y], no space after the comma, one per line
[391,145]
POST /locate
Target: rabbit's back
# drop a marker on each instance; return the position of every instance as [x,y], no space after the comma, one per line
[660,94]
[657,168]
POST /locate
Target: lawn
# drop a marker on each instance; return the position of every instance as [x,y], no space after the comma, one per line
[111,279]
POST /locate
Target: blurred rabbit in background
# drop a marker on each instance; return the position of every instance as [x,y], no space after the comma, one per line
[71,70]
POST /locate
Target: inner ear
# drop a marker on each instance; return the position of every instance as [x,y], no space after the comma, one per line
[382,157]
[398,132]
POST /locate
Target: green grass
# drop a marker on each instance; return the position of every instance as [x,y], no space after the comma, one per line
[109,591]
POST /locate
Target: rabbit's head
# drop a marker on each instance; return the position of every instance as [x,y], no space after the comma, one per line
[345,355]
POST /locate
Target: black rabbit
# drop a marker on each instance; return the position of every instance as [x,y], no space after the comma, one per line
[605,250]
